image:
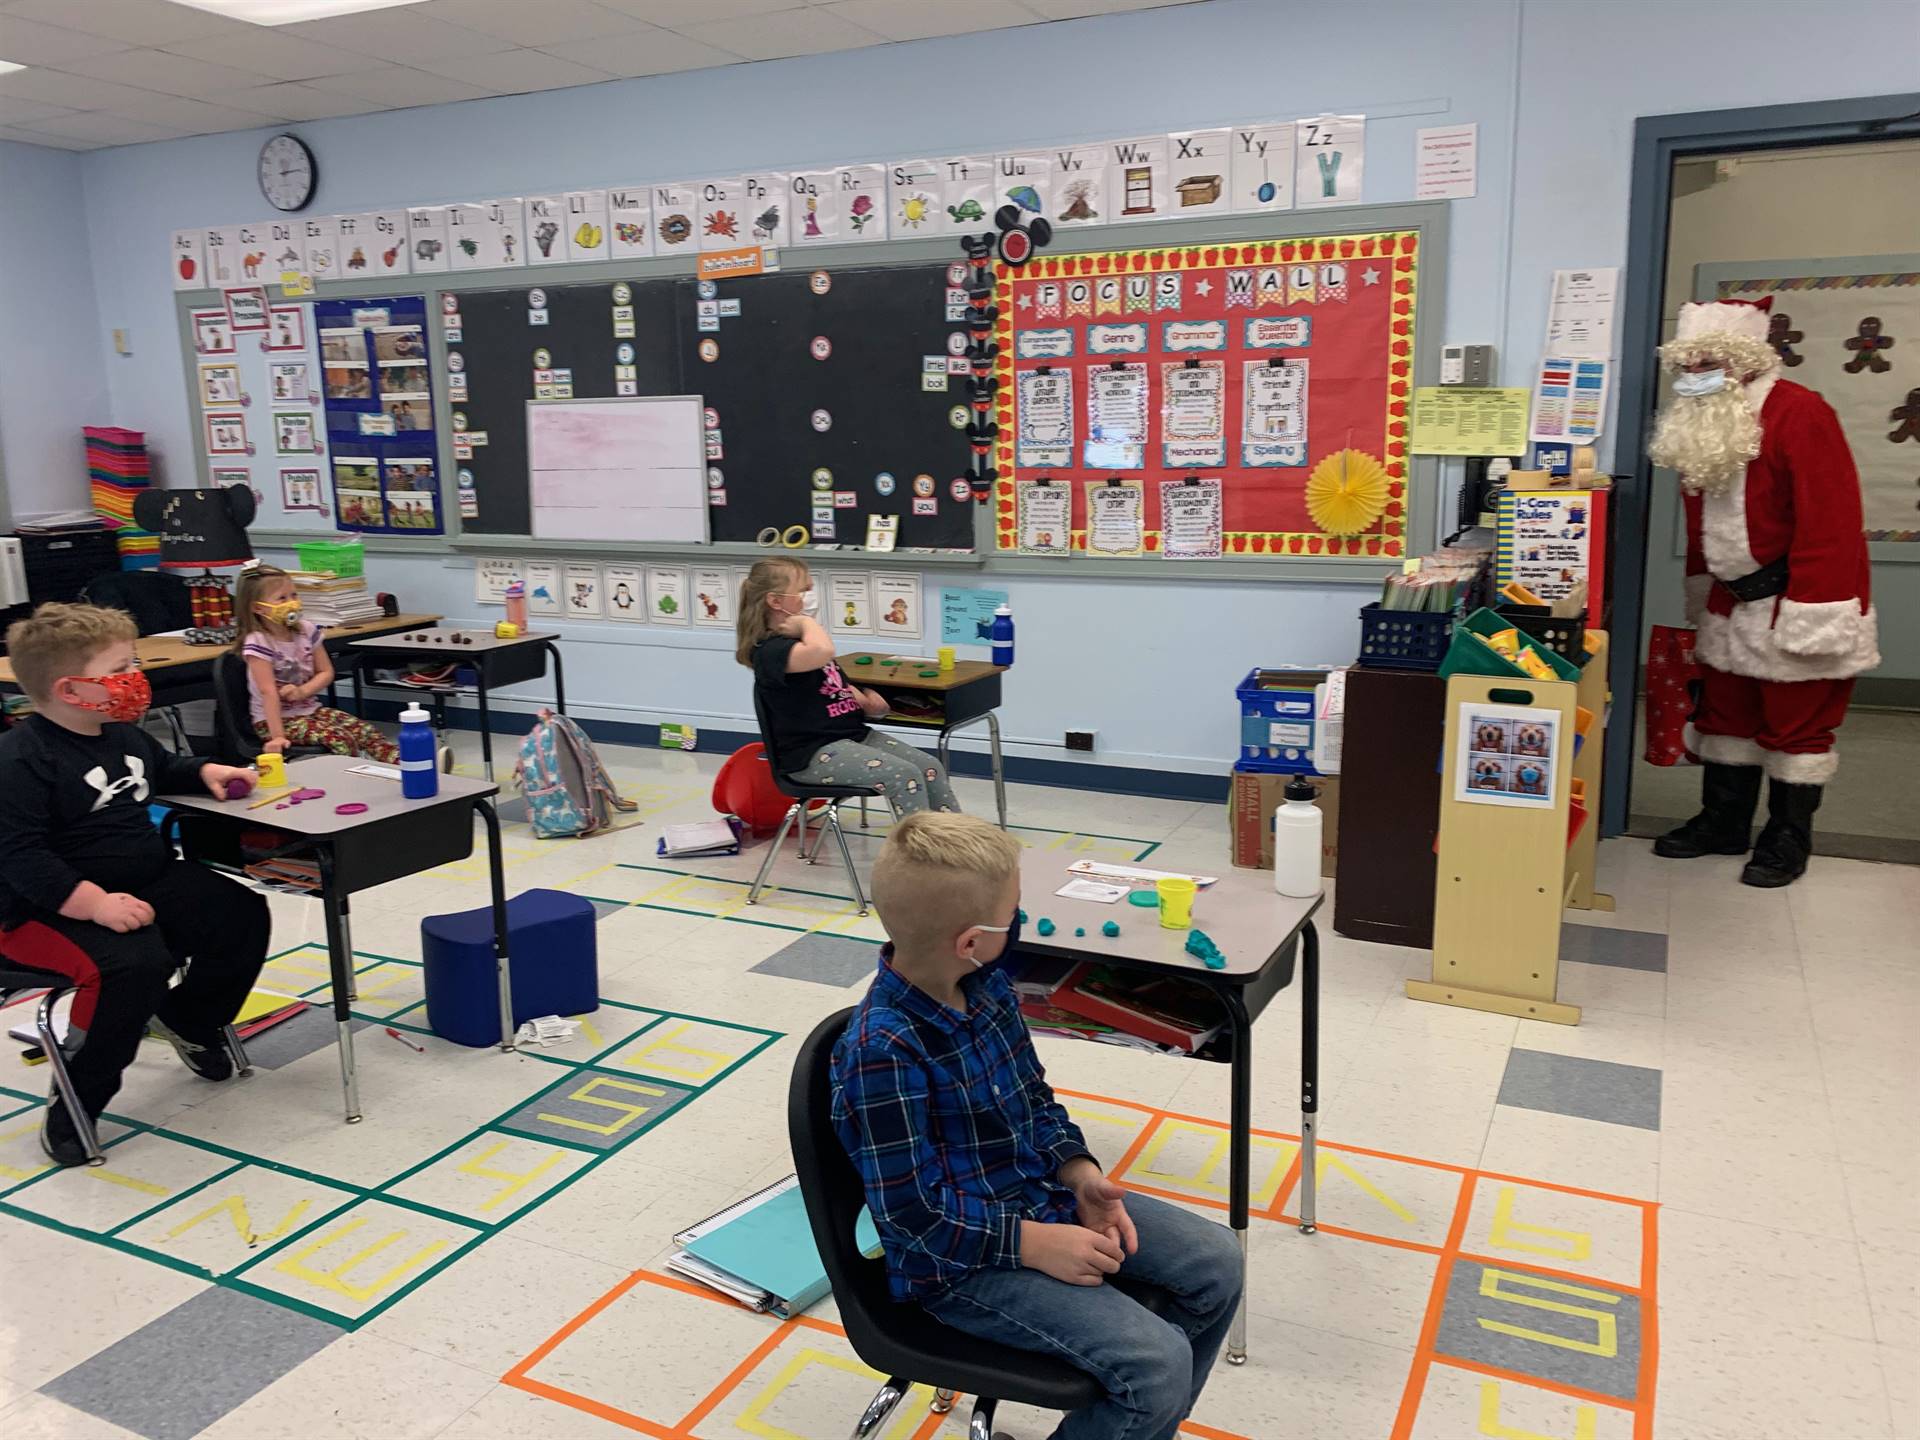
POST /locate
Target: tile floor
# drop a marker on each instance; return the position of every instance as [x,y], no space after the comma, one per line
[1695,1215]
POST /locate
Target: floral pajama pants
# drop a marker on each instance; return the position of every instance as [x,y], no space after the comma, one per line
[339,732]
[911,779]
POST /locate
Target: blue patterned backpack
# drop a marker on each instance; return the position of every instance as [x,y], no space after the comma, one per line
[568,790]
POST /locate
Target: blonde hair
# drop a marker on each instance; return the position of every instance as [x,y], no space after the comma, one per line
[938,874]
[246,595]
[61,640]
[779,576]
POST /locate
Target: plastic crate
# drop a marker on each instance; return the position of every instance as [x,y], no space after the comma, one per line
[1467,656]
[342,558]
[1403,639]
[1565,636]
[1276,721]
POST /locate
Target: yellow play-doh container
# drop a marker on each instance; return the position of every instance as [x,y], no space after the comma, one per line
[1176,894]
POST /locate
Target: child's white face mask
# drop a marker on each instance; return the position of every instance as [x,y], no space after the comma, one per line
[810,602]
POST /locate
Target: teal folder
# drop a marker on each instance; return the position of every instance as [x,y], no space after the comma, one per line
[770,1248]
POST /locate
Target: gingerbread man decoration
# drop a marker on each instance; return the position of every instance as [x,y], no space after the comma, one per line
[1782,338]
[1868,345]
[1909,417]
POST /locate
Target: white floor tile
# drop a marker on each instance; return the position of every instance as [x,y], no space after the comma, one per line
[360,1386]
[1566,1150]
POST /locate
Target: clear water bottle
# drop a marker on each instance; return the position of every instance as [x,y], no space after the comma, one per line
[1002,635]
[1296,841]
[419,759]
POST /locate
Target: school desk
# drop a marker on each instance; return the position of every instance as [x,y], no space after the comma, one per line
[1260,933]
[393,838]
[946,701]
[494,661]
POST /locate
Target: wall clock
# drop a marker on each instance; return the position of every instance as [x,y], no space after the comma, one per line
[288,173]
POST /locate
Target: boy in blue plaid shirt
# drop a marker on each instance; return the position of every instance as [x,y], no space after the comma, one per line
[994,1217]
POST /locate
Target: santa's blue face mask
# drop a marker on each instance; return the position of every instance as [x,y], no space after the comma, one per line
[1693,383]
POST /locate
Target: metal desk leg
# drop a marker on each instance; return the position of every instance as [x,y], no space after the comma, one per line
[486,727]
[496,874]
[1239,1156]
[559,679]
[999,774]
[340,962]
[346,947]
[1309,1070]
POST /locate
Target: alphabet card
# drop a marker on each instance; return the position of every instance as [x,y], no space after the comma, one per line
[816,206]
[546,238]
[721,225]
[1260,170]
[321,237]
[676,211]
[966,193]
[1023,180]
[223,256]
[629,222]
[1199,162]
[766,207]
[189,259]
[914,192]
[1330,156]
[1137,181]
[1079,186]
[586,225]
[427,238]
[863,201]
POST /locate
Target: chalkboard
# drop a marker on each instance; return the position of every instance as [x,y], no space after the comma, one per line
[813,386]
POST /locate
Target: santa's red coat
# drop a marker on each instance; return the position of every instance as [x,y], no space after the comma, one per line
[1801,500]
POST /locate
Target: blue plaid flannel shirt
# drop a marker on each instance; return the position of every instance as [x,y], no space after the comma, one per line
[952,1125]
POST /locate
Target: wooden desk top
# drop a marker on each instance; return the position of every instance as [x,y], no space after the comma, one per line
[908,676]
[1240,912]
[333,774]
[171,652]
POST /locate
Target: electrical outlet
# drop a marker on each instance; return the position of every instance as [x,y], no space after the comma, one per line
[1080,739]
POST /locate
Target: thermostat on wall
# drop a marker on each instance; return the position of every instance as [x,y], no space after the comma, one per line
[1466,365]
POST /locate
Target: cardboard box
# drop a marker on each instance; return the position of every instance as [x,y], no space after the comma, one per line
[1250,807]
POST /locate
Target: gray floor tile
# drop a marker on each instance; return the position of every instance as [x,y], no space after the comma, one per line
[1603,945]
[176,1375]
[1584,1089]
[603,908]
[824,959]
[1579,1334]
[312,1029]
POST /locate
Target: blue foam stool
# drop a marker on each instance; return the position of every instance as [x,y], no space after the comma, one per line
[555,965]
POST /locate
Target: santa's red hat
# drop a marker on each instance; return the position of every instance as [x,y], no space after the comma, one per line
[1733,332]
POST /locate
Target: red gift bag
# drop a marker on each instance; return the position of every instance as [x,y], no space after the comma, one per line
[1673,688]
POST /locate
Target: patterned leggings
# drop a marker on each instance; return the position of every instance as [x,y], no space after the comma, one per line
[910,778]
[339,732]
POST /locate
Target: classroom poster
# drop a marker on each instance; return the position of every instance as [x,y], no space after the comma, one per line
[667,594]
[713,597]
[1260,171]
[189,259]
[1330,157]
[377,400]
[427,238]
[1044,517]
[581,587]
[491,577]
[1199,161]
[1116,417]
[586,235]
[1045,438]
[1190,519]
[1507,755]
[293,432]
[1274,419]
[767,205]
[220,385]
[721,226]
[227,433]
[212,332]
[1193,414]
[896,605]
[286,328]
[966,614]
[320,247]
[629,222]
[543,587]
[356,491]
[1116,519]
[625,590]
[545,240]
[289,383]
[849,603]
[676,209]
[1570,400]
[967,197]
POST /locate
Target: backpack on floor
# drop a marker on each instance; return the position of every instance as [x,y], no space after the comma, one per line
[568,790]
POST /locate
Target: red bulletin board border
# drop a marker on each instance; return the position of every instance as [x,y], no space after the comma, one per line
[1360,385]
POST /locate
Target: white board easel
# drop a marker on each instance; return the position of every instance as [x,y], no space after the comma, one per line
[632,468]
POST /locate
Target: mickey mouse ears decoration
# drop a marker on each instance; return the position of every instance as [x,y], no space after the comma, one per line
[1021,231]
[1020,237]
[198,529]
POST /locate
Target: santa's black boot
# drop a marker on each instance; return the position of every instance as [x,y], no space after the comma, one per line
[1780,854]
[1728,796]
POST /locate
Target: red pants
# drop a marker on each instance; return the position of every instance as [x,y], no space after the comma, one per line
[339,732]
[1785,725]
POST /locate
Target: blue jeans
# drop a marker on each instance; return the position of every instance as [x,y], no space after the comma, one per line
[1152,1367]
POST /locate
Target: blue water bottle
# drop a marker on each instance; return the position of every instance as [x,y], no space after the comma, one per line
[1003,636]
[419,774]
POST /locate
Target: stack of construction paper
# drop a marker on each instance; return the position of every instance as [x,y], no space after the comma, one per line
[117,470]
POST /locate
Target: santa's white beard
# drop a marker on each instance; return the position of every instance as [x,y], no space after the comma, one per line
[1708,438]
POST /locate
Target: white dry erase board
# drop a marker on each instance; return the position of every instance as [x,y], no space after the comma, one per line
[622,469]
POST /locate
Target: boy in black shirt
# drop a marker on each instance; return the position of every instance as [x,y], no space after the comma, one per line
[87,889]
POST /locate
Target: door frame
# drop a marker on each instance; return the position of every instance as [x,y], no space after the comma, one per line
[1659,140]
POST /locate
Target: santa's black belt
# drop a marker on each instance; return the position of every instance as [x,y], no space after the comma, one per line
[1762,584]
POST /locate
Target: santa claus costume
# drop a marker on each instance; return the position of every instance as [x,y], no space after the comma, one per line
[1777,582]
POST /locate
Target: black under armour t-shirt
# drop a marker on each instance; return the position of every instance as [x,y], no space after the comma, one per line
[74,807]
[806,708]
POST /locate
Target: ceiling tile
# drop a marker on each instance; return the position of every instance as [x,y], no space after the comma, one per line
[136,22]
[104,129]
[28,42]
[76,92]
[270,55]
[647,52]
[13,111]
[1075,9]
[516,72]
[195,117]
[297,102]
[787,32]
[676,13]
[535,22]
[158,70]
[397,87]
[53,142]
[922,19]
[403,36]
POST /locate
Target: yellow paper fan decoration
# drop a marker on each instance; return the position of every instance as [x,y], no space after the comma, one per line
[1347,492]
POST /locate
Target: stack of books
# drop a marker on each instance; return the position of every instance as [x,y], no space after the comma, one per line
[760,1251]
[1083,1001]
[117,471]
[330,600]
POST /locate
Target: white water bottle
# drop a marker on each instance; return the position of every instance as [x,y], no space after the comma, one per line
[1296,842]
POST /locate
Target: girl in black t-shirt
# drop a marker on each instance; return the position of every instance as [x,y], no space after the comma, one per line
[816,720]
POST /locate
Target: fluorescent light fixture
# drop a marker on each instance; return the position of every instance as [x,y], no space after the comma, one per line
[287,12]
[7,67]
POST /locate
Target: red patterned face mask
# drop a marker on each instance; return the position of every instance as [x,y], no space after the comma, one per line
[127,699]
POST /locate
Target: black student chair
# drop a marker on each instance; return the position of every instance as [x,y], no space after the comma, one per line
[901,1341]
[804,795]
[235,736]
